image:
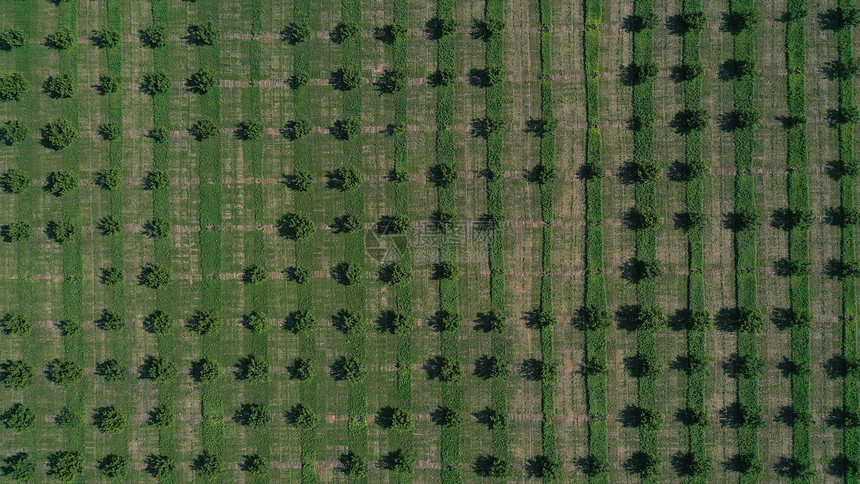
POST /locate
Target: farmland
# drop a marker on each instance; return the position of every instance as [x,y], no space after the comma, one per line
[429,241]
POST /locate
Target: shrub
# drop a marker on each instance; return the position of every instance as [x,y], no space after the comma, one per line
[301,322]
[299,274]
[347,78]
[447,321]
[747,119]
[108,179]
[254,415]
[208,465]
[345,31]
[203,34]
[62,182]
[203,129]
[251,130]
[159,134]
[348,273]
[741,69]
[63,230]
[650,319]
[445,174]
[300,79]
[64,372]
[493,321]
[109,225]
[155,83]
[444,221]
[493,419]
[59,134]
[448,270]
[492,466]
[844,17]
[348,322]
[346,178]
[544,174]
[201,82]
[15,180]
[297,32]
[750,416]
[399,461]
[445,369]
[206,322]
[447,417]
[16,324]
[254,464]
[398,273]
[750,320]
[348,128]
[347,223]
[297,129]
[13,86]
[13,132]
[158,369]
[747,220]
[595,318]
[254,368]
[17,231]
[206,371]
[641,270]
[20,467]
[846,115]
[302,417]
[302,369]
[392,33]
[105,38]
[693,417]
[162,415]
[19,418]
[256,321]
[300,181]
[70,326]
[543,318]
[159,465]
[650,419]
[109,419]
[397,224]
[645,171]
[643,218]
[393,80]
[699,321]
[440,27]
[110,321]
[157,179]
[494,75]
[443,77]
[65,465]
[59,86]
[114,466]
[154,276]
[547,468]
[695,120]
[296,226]
[397,419]
[11,38]
[748,366]
[690,71]
[62,39]
[154,36]
[488,367]
[691,21]
[347,369]
[255,274]
[640,73]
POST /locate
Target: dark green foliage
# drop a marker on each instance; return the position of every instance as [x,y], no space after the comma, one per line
[158,369]
[398,273]
[692,417]
[19,418]
[445,174]
[68,418]
[690,70]
[154,276]
[344,31]
[162,415]
[493,76]
[255,465]
[699,321]
[747,220]
[299,79]
[59,134]
[544,174]
[443,77]
[347,369]
[446,321]
[108,179]
[155,83]
[750,320]
[201,82]
[13,132]
[348,322]
[346,178]
[395,418]
[157,228]
[345,129]
[347,78]
[645,171]
[15,180]
[299,274]
[256,321]
[114,466]
[650,319]
[747,119]
[159,465]
[845,17]
[60,183]
[300,181]
[296,226]
[110,321]
[208,465]
[542,318]
[70,326]
[109,225]
[206,322]
[255,274]
[206,371]
[159,134]
[648,418]
[254,368]
[253,415]
[748,366]
[749,416]
[105,38]
[62,39]
[447,417]
[347,223]
[302,369]
[740,69]
[19,467]
[301,322]
[400,461]
[744,19]
[846,115]
[16,374]
[694,120]
[348,273]
[65,465]
[203,130]
[448,270]
[64,372]
[203,34]
[109,419]
[17,231]
[16,324]
[296,130]
[393,80]
[392,33]
[547,468]
[398,224]
[493,321]
[639,23]
[445,369]
[59,86]
[157,179]
[154,36]
[302,417]
[844,70]
[13,86]
[642,218]
[297,32]
[639,73]
[691,21]
[488,367]
[63,230]
[11,38]
[492,466]
[250,130]
[440,27]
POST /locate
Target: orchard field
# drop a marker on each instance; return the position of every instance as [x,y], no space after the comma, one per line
[429,241]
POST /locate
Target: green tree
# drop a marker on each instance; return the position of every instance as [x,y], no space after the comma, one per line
[442,27]
[301,321]
[448,270]
[445,369]
[111,276]
[105,38]
[393,80]
[201,82]
[111,370]
[62,39]
[108,179]
[347,128]
[158,369]
[17,231]
[256,321]
[19,418]
[347,369]
[344,32]
[11,38]
[154,36]
[20,467]
[208,465]
[157,179]
[398,273]
[159,465]
[60,183]
[206,322]
[400,461]
[397,224]
[595,318]
[640,73]
[16,374]
[109,419]
[59,86]
[492,466]
[650,319]
[16,324]
[155,83]
[296,226]
[65,465]
[13,86]
[64,372]
[154,276]
[253,415]
[297,32]
[110,321]
[302,369]
[113,466]
[445,174]
[251,129]
[301,416]
[69,418]
[447,321]
[254,464]
[691,21]
[203,129]
[14,131]
[162,415]
[206,371]
[63,230]
[254,368]
[159,134]
[205,33]
[157,322]
[348,273]
[15,180]
[353,464]
[296,130]
[70,327]
[750,320]
[59,134]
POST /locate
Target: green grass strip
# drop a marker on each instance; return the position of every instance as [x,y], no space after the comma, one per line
[595,287]
[745,241]
[696,341]
[851,388]
[500,342]
[547,162]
